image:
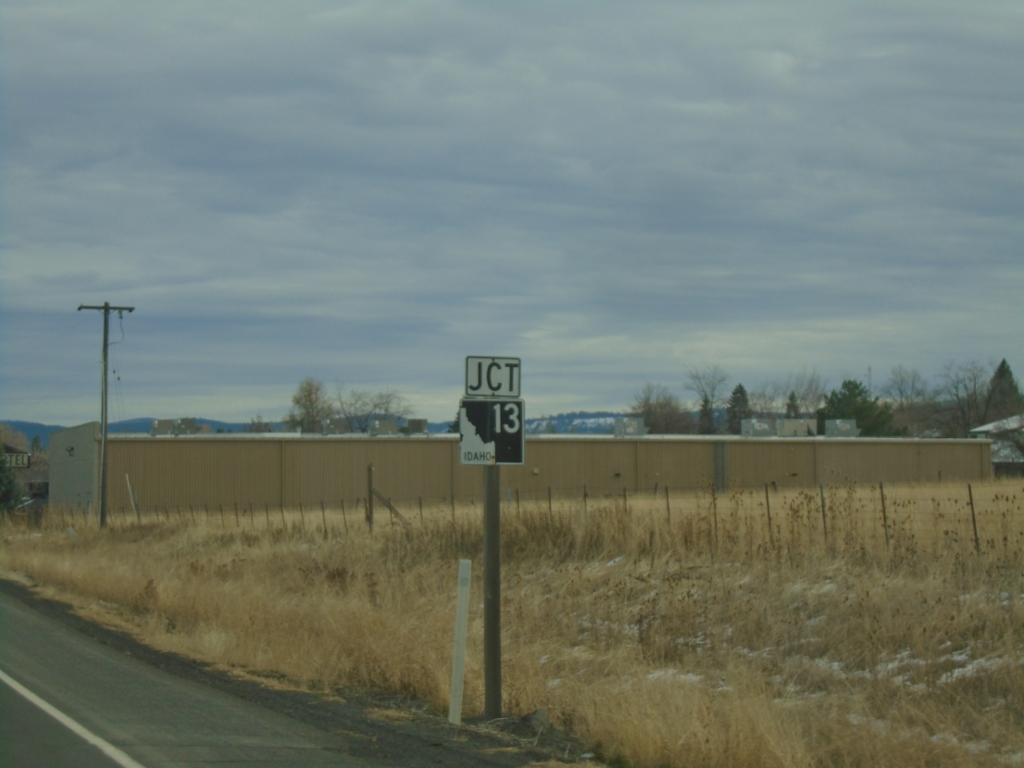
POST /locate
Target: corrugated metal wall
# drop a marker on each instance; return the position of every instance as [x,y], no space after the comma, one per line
[199,471]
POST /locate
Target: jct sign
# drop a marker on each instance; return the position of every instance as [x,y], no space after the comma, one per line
[491,431]
[492,376]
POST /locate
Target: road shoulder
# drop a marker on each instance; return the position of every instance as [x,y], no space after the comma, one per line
[387,730]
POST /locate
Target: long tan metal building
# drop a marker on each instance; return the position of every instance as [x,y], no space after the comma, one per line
[282,470]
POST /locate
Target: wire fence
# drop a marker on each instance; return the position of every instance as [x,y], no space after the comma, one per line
[895,522]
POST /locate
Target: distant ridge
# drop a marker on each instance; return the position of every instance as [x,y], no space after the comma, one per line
[575,422]
[32,430]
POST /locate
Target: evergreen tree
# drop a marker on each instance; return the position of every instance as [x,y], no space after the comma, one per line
[10,491]
[738,409]
[706,418]
[853,401]
[1005,398]
[792,406]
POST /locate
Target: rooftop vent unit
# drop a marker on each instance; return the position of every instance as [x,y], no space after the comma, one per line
[416,427]
[796,427]
[383,427]
[757,428]
[841,428]
[335,426]
[161,427]
[630,426]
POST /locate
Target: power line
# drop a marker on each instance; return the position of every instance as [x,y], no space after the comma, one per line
[106,309]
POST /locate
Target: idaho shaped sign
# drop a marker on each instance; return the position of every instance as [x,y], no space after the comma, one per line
[491,431]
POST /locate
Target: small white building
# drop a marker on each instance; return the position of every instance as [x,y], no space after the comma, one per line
[1006,435]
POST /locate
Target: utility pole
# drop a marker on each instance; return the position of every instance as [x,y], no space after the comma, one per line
[106,309]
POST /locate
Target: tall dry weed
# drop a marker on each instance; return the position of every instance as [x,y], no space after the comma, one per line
[678,632]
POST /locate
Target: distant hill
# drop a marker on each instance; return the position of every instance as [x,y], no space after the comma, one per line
[32,430]
[576,422]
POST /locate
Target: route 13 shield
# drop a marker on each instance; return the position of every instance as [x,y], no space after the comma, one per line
[491,431]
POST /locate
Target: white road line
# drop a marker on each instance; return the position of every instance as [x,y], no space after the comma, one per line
[106,747]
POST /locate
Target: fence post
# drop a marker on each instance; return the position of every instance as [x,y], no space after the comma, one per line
[302,516]
[974,521]
[323,514]
[885,517]
[584,503]
[551,513]
[824,525]
[266,508]
[768,509]
[668,508]
[714,515]
[369,498]
[421,511]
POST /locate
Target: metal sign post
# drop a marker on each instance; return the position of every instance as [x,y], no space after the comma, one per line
[491,433]
[492,592]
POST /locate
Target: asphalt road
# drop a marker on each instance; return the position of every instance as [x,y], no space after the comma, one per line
[159,709]
[156,718]
[30,737]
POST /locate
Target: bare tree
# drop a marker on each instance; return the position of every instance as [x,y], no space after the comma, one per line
[708,384]
[661,411]
[765,399]
[12,437]
[359,407]
[963,398]
[258,425]
[310,406]
[912,404]
[810,390]
[905,388]
[772,398]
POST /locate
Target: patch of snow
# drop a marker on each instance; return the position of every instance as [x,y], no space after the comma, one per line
[976,667]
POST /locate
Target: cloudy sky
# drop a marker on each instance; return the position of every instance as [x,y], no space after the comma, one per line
[366,192]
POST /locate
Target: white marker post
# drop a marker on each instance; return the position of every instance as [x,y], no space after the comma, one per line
[459,652]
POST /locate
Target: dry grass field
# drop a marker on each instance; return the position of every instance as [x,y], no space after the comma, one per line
[683,634]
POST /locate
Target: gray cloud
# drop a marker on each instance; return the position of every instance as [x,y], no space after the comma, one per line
[370,191]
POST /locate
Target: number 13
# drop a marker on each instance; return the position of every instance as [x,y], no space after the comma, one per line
[511,422]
